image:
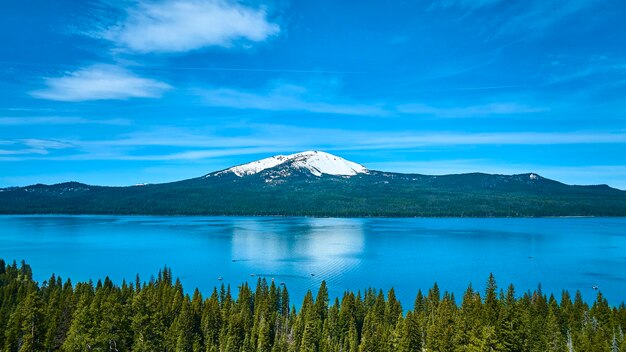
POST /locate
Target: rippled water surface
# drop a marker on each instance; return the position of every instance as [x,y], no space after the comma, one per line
[407,254]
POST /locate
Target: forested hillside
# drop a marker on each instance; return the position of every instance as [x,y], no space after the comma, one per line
[303,194]
[160,316]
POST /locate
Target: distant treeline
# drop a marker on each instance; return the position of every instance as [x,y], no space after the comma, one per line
[373,195]
[159,316]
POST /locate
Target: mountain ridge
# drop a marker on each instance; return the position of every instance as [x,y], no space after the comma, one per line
[302,187]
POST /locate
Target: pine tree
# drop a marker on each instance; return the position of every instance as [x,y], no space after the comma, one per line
[211,321]
[147,322]
[408,334]
[469,322]
[284,301]
[370,335]
[554,339]
[321,302]
[158,316]
[393,308]
[491,306]
[441,329]
[509,328]
[309,336]
[264,340]
[79,334]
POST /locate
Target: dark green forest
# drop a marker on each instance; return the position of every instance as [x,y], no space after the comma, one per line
[159,315]
[377,194]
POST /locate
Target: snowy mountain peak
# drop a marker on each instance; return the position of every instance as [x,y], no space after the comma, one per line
[316,162]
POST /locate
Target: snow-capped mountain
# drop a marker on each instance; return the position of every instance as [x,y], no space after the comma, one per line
[320,184]
[315,162]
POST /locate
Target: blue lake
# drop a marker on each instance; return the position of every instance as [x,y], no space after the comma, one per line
[407,254]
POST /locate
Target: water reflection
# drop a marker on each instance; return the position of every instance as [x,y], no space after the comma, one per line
[408,254]
[320,246]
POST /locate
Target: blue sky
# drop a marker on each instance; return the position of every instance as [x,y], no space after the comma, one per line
[125,92]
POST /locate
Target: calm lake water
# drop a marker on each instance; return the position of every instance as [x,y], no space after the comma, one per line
[407,254]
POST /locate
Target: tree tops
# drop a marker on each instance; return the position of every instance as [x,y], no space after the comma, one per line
[160,316]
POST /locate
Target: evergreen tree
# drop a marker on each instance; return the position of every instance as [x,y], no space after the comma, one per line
[491,305]
[159,316]
[393,308]
[554,339]
[441,329]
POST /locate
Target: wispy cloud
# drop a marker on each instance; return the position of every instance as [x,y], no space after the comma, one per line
[520,17]
[15,152]
[59,120]
[469,111]
[184,25]
[425,139]
[569,70]
[30,146]
[202,146]
[285,97]
[199,154]
[541,14]
[183,144]
[100,82]
[291,97]
[45,143]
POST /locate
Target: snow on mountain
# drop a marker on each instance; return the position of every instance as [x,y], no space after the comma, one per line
[319,163]
[256,166]
[315,162]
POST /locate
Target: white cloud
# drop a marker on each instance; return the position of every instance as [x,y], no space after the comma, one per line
[285,98]
[469,111]
[31,146]
[59,120]
[183,25]
[100,82]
